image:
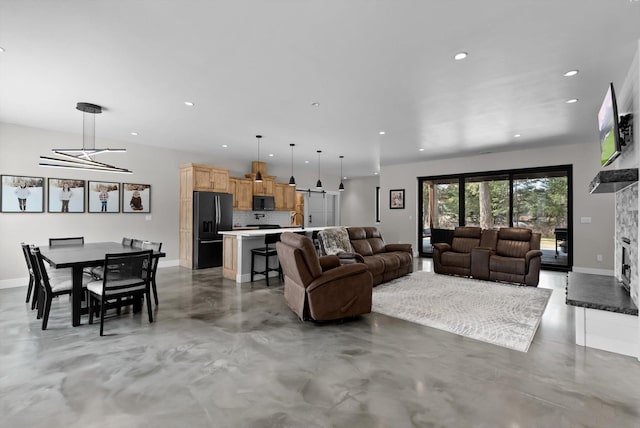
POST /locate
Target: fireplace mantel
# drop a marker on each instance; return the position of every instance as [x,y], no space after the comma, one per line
[611,181]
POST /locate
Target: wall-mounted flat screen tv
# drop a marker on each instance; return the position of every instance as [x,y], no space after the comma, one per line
[610,147]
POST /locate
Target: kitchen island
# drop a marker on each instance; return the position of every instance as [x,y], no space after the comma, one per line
[237,246]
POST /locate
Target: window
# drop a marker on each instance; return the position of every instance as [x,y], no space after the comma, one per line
[536,198]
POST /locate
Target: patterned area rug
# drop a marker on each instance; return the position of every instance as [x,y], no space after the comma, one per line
[501,314]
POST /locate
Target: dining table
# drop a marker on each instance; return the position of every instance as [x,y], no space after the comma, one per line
[81,256]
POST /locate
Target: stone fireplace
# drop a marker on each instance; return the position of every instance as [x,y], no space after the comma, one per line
[626,260]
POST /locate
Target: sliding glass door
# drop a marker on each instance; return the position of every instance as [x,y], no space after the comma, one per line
[535,198]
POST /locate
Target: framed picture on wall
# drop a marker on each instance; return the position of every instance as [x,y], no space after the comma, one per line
[396,199]
[104,197]
[21,194]
[65,195]
[136,198]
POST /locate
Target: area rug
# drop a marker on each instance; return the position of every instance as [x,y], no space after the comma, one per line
[497,313]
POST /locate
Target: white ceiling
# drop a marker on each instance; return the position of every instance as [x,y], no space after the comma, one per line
[255,67]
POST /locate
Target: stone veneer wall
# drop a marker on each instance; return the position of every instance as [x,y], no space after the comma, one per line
[627,226]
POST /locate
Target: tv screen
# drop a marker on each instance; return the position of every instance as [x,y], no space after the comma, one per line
[610,147]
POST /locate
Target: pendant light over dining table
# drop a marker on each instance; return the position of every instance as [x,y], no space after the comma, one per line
[258,174]
[83,158]
[319,183]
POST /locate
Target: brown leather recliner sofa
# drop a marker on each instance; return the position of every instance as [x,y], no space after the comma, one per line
[385,261]
[511,254]
[320,288]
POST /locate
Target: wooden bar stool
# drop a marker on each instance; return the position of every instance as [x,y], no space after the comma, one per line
[266,252]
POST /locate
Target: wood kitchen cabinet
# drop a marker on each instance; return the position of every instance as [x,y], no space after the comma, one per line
[284,196]
[208,178]
[241,188]
[264,188]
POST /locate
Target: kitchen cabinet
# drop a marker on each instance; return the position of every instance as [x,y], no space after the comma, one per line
[242,194]
[264,188]
[284,197]
[208,178]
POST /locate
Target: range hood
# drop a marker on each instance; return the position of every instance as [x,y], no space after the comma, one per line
[613,180]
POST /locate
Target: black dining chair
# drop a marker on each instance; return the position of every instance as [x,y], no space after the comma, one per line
[267,252]
[154,246]
[27,259]
[49,287]
[56,242]
[126,276]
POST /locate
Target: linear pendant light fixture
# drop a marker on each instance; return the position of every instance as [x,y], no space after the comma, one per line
[258,174]
[83,158]
[319,183]
[292,180]
[341,187]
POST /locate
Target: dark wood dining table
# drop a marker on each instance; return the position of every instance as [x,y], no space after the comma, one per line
[78,257]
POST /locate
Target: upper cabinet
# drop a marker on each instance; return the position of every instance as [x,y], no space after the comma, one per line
[242,195]
[285,197]
[208,178]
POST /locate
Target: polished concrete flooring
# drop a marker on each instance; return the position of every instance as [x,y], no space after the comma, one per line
[221,355]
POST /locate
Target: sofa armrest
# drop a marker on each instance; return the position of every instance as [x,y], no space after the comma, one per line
[480,262]
[329,262]
[336,274]
[442,247]
[398,247]
[350,258]
[531,254]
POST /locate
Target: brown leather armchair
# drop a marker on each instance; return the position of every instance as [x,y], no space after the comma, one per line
[455,259]
[517,256]
[320,288]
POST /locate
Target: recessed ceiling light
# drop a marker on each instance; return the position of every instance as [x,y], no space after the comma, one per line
[225,146]
[517,135]
[134,133]
[1,49]
[572,101]
[570,73]
[421,150]
[460,55]
[316,104]
[188,103]
[376,173]
[344,178]
[270,155]
[381,132]
[306,161]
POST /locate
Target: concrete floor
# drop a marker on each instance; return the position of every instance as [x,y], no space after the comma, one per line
[221,355]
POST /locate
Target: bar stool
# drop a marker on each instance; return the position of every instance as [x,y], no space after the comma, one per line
[266,252]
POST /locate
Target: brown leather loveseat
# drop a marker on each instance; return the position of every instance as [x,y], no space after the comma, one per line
[510,254]
[385,261]
[320,288]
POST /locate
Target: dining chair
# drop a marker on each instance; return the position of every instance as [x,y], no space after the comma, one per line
[126,242]
[155,246]
[56,242]
[49,287]
[130,280]
[27,258]
[136,243]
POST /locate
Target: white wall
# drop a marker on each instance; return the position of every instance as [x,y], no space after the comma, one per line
[589,239]
[358,201]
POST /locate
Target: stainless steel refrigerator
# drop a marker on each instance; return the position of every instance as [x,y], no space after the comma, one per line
[212,214]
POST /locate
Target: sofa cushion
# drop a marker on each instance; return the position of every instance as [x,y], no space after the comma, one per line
[451,258]
[404,257]
[391,261]
[375,264]
[509,248]
[356,233]
[464,245]
[468,232]
[377,245]
[515,233]
[362,247]
[510,265]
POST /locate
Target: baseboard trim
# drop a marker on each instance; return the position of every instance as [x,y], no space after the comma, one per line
[168,263]
[14,283]
[592,271]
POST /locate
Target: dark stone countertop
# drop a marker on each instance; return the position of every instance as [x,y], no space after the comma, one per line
[599,292]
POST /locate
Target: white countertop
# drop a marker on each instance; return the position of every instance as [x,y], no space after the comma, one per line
[262,232]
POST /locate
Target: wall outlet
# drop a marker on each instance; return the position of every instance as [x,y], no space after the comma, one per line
[585,220]
[148,218]
[598,257]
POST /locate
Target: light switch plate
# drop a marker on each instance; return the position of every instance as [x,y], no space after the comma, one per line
[148,217]
[585,220]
